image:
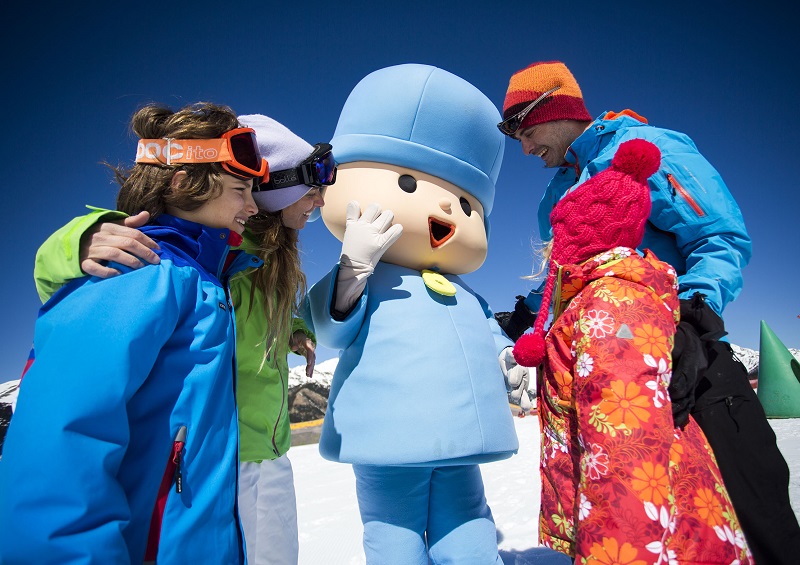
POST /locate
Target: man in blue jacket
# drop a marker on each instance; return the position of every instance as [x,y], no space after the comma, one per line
[696,226]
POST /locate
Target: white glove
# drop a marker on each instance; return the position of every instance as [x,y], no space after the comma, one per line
[517,378]
[366,238]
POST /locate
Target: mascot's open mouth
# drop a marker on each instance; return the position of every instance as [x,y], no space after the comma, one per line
[440,231]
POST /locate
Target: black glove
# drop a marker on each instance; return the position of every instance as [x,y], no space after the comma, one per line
[517,322]
[689,362]
[699,328]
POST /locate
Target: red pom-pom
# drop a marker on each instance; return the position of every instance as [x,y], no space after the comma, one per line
[638,158]
[529,350]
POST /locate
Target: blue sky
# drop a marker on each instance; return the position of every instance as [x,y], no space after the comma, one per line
[725,73]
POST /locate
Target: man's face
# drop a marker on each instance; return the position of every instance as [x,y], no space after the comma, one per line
[548,141]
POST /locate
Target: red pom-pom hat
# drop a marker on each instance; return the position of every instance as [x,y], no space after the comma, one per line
[608,210]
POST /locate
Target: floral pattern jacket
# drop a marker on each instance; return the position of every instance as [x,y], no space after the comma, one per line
[619,483]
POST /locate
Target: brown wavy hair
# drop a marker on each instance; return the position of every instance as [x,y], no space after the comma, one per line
[278,247]
[149,187]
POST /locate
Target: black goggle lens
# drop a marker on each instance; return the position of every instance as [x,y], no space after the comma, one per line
[245,150]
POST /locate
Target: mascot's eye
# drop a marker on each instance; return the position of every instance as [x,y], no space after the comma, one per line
[407,183]
[465,205]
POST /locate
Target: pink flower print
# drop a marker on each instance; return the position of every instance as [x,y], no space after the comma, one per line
[596,462]
[599,323]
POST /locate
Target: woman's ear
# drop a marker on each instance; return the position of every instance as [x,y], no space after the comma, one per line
[178,179]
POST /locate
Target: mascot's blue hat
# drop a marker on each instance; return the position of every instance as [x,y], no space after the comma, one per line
[424,118]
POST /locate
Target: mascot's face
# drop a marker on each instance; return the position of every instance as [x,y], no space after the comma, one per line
[443,227]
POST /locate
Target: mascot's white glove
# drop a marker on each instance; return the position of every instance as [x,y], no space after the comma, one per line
[517,378]
[366,238]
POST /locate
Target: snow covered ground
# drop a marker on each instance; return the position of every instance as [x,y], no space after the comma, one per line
[330,527]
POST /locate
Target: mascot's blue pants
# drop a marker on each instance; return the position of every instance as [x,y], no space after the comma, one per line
[413,513]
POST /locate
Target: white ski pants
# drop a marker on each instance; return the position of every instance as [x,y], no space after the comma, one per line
[268,510]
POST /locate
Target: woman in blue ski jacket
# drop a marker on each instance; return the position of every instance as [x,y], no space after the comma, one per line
[123,447]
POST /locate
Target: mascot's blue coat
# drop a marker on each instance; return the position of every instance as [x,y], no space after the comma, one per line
[418,381]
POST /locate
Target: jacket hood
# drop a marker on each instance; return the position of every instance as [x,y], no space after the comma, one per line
[648,273]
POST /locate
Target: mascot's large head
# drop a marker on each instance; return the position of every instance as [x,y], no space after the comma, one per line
[423,143]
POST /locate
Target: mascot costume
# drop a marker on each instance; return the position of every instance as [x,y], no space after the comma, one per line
[418,398]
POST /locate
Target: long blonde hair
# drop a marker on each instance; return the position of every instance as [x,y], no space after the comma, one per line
[281,279]
[544,250]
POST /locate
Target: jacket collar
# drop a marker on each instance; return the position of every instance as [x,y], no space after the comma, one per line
[209,247]
[595,138]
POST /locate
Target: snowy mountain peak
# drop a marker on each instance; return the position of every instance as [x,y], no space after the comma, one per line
[9,392]
[323,373]
[749,357]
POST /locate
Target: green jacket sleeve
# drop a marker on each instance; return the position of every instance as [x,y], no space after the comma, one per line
[58,259]
[300,324]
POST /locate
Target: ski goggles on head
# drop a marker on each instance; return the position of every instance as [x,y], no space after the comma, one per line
[510,125]
[237,151]
[318,170]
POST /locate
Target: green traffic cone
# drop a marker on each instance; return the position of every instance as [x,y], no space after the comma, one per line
[778,377]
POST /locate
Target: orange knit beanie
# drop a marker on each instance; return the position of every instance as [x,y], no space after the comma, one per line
[527,85]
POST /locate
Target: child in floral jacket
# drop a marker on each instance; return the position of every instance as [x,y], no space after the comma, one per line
[620,484]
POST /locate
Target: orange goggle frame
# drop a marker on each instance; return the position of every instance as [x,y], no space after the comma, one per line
[236,149]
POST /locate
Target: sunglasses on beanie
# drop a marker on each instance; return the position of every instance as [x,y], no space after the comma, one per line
[510,125]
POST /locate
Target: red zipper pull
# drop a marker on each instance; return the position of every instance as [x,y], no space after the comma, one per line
[177,449]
